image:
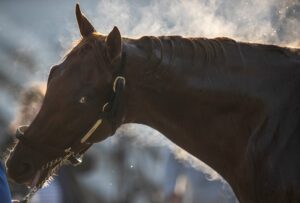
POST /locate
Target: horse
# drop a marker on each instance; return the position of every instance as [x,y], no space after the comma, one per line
[233,105]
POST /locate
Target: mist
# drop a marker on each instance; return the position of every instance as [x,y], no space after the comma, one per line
[263,21]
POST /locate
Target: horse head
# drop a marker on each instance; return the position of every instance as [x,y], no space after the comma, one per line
[82,93]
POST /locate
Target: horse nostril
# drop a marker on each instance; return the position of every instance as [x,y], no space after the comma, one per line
[20,169]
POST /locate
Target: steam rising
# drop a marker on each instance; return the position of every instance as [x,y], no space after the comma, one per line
[264,21]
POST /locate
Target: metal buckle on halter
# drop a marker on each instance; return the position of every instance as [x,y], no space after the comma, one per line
[75,160]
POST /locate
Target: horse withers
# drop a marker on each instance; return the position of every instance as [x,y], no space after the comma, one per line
[233,105]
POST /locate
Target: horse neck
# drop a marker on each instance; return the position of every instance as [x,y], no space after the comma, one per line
[176,87]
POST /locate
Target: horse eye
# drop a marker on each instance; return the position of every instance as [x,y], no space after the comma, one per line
[83,100]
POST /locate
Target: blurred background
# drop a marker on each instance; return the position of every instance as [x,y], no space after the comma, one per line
[138,164]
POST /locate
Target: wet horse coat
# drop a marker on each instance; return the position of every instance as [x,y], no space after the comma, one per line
[233,105]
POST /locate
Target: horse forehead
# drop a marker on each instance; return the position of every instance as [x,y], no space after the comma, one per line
[64,82]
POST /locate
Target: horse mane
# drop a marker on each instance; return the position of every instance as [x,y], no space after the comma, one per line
[204,52]
[192,51]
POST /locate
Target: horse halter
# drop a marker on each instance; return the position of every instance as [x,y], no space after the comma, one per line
[69,155]
[109,111]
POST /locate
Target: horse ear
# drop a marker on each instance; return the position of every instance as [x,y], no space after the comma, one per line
[114,44]
[84,25]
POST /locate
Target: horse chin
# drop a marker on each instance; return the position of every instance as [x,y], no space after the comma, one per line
[39,180]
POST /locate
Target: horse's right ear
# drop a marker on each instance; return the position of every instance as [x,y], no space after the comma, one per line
[85,27]
[114,44]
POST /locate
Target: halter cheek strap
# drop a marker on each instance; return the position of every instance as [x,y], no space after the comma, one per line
[118,87]
[91,131]
[109,109]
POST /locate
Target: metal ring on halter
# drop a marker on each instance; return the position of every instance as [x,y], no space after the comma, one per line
[21,130]
[104,106]
[116,80]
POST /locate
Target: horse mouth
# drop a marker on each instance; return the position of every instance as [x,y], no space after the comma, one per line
[29,182]
[35,180]
[41,178]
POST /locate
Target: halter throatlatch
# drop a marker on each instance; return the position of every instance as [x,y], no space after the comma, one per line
[69,156]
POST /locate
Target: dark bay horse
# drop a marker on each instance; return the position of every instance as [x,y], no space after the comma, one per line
[233,105]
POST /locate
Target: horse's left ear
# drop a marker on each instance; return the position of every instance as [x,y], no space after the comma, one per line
[85,27]
[114,44]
